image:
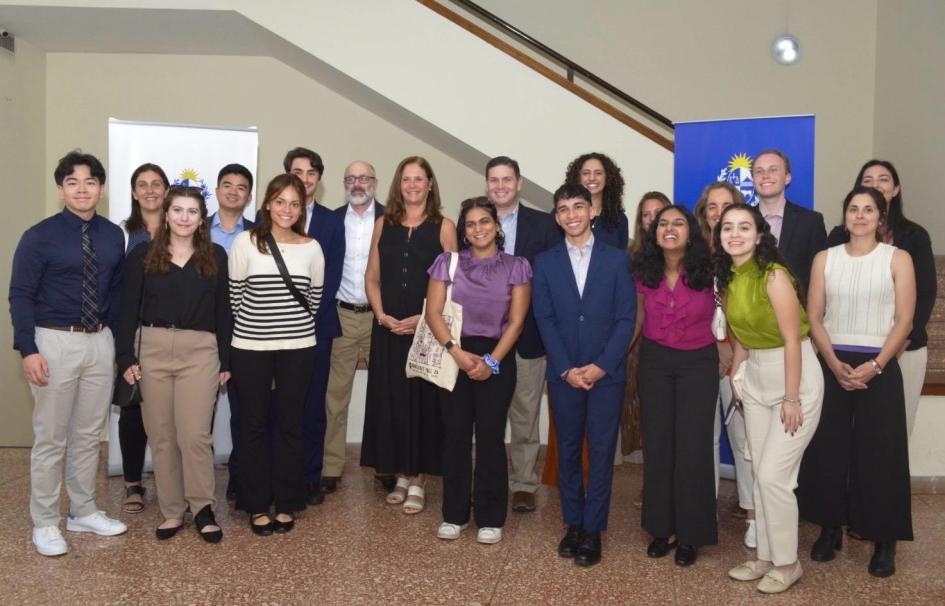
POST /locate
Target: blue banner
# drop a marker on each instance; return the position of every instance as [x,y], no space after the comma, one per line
[723,150]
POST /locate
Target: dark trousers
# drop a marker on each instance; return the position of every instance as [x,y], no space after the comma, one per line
[315,422]
[133,441]
[678,395]
[597,414]
[856,469]
[233,463]
[262,481]
[485,406]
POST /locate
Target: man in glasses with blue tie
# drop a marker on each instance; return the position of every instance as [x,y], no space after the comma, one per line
[64,295]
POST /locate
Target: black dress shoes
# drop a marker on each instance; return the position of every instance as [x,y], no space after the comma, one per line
[164,534]
[263,530]
[685,555]
[282,527]
[315,496]
[203,519]
[329,485]
[883,562]
[830,539]
[588,551]
[388,482]
[660,547]
[568,546]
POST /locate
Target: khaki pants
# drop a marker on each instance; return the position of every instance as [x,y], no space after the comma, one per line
[180,373]
[353,344]
[913,364]
[776,455]
[68,419]
[525,444]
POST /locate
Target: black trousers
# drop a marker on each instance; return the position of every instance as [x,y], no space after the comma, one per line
[678,394]
[483,405]
[133,441]
[856,469]
[278,477]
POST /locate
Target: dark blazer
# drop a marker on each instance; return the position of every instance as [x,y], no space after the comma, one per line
[593,328]
[328,228]
[803,235]
[535,233]
[916,242]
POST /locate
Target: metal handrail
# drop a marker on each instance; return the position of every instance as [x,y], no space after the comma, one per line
[568,63]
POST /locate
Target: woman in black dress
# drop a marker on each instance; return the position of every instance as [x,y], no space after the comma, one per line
[402,423]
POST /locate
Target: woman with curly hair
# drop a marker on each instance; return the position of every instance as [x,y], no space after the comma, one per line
[679,358]
[776,377]
[603,179]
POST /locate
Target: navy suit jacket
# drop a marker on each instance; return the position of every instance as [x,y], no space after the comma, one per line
[535,232]
[593,328]
[328,229]
[803,235]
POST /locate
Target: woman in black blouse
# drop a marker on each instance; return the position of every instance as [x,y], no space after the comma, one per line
[912,238]
[180,287]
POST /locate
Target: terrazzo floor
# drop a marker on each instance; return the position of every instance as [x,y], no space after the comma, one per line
[354,549]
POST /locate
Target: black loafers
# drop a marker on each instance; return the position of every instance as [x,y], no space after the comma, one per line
[282,527]
[164,534]
[659,547]
[329,485]
[829,540]
[263,530]
[315,494]
[589,550]
[568,546]
[203,519]
[685,555]
[883,562]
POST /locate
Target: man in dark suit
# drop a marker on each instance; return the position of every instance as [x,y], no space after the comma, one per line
[585,306]
[800,232]
[234,192]
[329,230]
[527,233]
[354,312]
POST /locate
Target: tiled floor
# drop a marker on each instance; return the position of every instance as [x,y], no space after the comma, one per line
[354,549]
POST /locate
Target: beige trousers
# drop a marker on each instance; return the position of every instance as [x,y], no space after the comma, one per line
[180,374]
[913,364]
[68,418]
[775,454]
[524,412]
[353,345]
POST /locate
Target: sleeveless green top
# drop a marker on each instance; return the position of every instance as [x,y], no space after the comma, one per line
[748,310]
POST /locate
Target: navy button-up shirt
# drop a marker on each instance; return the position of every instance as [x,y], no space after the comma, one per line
[46,283]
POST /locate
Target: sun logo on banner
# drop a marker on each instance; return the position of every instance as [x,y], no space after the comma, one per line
[189,177]
[738,173]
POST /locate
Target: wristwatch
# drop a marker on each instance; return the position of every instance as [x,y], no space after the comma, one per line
[449,345]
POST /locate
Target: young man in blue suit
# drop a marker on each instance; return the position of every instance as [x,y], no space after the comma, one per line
[585,306]
[329,229]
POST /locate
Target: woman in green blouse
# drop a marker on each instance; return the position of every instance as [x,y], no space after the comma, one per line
[777,379]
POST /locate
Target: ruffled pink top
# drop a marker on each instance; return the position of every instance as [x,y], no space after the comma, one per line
[680,318]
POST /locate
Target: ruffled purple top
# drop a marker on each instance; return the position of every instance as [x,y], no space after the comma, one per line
[680,318]
[484,288]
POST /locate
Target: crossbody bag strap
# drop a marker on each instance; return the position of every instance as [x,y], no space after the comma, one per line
[454,261]
[284,272]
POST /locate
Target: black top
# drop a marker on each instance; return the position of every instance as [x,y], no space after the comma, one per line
[46,283]
[617,236]
[917,243]
[179,298]
[405,256]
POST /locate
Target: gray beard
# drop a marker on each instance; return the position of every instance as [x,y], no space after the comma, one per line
[359,200]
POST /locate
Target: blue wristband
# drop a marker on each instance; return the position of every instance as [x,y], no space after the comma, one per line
[491,363]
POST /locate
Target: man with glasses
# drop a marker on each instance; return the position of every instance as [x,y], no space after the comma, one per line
[354,312]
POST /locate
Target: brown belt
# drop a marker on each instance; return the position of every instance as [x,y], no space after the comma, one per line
[358,309]
[77,328]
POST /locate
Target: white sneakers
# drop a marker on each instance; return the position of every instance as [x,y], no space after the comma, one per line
[49,542]
[489,536]
[449,531]
[97,522]
[751,535]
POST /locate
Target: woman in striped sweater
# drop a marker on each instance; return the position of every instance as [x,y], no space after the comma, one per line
[274,342]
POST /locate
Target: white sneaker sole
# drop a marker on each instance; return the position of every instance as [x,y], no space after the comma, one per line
[50,552]
[73,527]
[489,541]
[447,535]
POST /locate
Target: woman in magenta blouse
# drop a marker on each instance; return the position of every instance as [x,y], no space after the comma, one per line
[494,290]
[679,384]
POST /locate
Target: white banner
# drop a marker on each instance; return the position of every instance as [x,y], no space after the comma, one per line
[189,155]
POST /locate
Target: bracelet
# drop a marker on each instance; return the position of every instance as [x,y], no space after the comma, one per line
[788,400]
[491,363]
[876,366]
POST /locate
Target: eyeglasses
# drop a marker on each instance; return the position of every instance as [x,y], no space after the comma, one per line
[362,179]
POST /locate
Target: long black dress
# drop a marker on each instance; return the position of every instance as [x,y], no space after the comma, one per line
[403,430]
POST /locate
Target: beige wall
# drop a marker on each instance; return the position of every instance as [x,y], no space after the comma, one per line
[22,173]
[910,89]
[698,60]
[289,109]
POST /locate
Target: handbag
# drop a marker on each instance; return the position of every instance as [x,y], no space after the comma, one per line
[427,359]
[284,272]
[719,329]
[125,394]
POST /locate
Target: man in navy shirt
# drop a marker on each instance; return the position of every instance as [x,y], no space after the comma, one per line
[64,295]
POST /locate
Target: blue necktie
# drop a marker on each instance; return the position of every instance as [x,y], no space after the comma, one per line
[90,318]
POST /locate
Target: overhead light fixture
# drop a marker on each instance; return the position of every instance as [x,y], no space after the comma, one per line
[786,49]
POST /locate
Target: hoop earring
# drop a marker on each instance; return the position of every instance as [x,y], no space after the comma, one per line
[465,240]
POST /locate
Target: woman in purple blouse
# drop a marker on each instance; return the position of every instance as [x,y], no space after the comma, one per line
[679,383]
[494,290]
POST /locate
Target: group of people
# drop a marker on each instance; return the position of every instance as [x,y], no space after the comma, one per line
[816,376]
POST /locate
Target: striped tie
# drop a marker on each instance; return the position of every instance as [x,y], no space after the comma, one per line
[90,317]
